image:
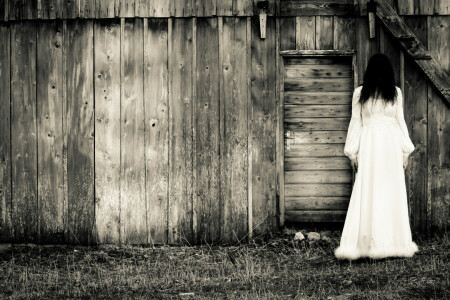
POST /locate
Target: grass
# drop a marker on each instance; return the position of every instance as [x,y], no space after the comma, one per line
[275,268]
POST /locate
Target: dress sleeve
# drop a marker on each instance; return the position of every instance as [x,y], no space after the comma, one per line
[406,142]
[354,128]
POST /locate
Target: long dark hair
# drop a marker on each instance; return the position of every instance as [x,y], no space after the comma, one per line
[379,75]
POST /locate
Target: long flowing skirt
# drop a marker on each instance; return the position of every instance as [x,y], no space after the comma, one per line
[377,221]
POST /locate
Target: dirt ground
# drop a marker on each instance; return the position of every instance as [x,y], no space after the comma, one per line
[275,267]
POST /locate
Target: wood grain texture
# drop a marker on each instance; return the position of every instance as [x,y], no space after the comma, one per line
[415,110]
[263,129]
[317,203]
[344,33]
[51,9]
[305,32]
[180,130]
[107,130]
[321,71]
[293,162]
[318,189]
[319,176]
[50,132]
[205,8]
[207,132]
[156,127]
[366,47]
[316,7]
[317,149]
[79,116]
[304,216]
[324,32]
[107,8]
[133,209]
[318,84]
[328,123]
[287,33]
[316,111]
[159,9]
[24,132]
[438,133]
[234,44]
[5,135]
[126,8]
[299,97]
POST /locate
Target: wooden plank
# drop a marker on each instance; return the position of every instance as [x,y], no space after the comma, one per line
[307,124]
[438,133]
[441,7]
[319,176]
[183,8]
[249,132]
[132,151]
[71,9]
[406,7]
[22,10]
[317,56]
[287,33]
[314,111]
[107,8]
[234,45]
[180,130]
[4,10]
[325,71]
[334,137]
[5,134]
[344,33]
[318,150]
[245,7]
[318,84]
[297,97]
[318,189]
[324,32]
[305,33]
[366,47]
[389,47]
[87,9]
[316,7]
[424,7]
[141,8]
[52,9]
[50,134]
[279,139]
[224,7]
[204,8]
[79,115]
[263,129]
[159,9]
[316,216]
[126,8]
[207,131]
[107,130]
[23,127]
[415,107]
[156,129]
[294,203]
[293,162]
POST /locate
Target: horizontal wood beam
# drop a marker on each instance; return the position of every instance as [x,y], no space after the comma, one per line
[316,7]
[288,53]
[414,48]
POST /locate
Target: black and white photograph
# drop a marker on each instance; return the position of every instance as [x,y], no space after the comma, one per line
[224,149]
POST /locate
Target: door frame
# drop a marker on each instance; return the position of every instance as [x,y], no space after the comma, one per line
[280,112]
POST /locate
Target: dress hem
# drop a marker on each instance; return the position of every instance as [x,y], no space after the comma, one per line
[352,253]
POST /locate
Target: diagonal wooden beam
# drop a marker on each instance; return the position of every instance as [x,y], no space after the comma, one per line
[413,47]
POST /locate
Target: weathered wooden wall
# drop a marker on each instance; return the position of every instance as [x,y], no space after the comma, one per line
[164,130]
[86,9]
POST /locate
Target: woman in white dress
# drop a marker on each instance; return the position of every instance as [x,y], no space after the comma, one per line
[378,145]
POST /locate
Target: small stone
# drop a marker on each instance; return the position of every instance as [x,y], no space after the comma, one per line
[299,236]
[314,236]
[326,233]
[326,239]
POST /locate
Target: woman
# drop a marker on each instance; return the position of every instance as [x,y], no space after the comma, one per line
[378,145]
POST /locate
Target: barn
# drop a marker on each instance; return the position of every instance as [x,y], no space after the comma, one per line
[204,121]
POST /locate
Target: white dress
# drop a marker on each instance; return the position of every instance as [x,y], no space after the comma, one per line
[377,221]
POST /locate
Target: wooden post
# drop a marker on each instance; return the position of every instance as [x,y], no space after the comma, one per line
[371,9]
[262,6]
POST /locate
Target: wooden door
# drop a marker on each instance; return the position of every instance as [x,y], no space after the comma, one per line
[317,110]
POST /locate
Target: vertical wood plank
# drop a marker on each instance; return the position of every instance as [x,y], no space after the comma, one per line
[142,8]
[406,7]
[87,9]
[391,50]
[287,33]
[324,32]
[263,127]
[225,7]
[22,10]
[5,134]
[71,9]
[23,128]
[243,7]
[159,9]
[441,7]
[365,47]
[205,7]
[50,134]
[207,131]
[249,132]
[344,33]
[415,106]
[107,130]
[180,130]
[106,8]
[126,8]
[425,7]
[133,211]
[183,8]
[79,115]
[51,9]
[439,130]
[306,33]
[4,10]
[233,98]
[156,131]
